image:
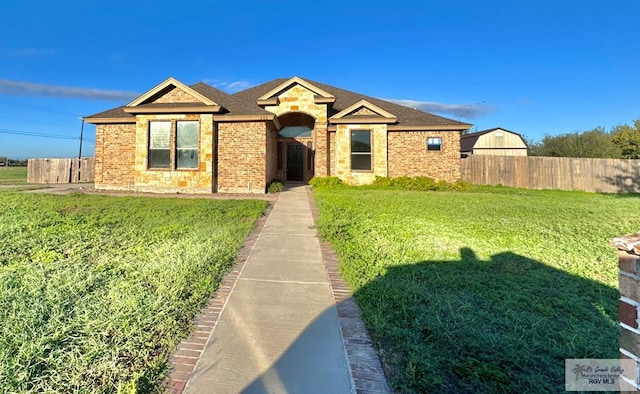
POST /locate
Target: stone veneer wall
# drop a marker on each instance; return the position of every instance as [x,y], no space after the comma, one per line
[300,99]
[342,164]
[176,95]
[408,155]
[629,302]
[242,161]
[173,180]
[115,156]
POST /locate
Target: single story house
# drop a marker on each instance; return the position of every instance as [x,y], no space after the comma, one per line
[198,139]
[496,142]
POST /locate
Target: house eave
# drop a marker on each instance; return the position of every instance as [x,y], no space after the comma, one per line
[206,109]
[110,120]
[244,118]
[270,101]
[295,80]
[460,127]
[367,120]
[324,100]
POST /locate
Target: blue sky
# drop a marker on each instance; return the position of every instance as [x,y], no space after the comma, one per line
[533,67]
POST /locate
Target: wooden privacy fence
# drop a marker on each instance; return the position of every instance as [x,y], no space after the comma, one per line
[60,170]
[564,173]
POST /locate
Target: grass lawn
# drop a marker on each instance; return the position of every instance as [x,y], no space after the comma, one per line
[482,291]
[13,175]
[95,291]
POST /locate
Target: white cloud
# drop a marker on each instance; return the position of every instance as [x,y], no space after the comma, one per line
[17,88]
[468,111]
[229,87]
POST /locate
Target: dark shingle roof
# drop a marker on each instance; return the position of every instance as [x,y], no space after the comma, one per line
[117,112]
[345,98]
[244,103]
[231,103]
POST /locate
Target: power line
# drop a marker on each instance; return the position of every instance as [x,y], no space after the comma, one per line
[39,122]
[38,134]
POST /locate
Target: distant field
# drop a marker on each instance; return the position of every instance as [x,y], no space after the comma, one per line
[483,291]
[96,291]
[13,175]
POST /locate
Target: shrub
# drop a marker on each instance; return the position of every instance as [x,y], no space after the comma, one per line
[325,182]
[275,186]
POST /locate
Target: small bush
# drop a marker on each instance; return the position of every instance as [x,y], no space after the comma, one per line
[275,186]
[325,182]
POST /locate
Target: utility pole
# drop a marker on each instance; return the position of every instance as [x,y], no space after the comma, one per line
[80,151]
[81,133]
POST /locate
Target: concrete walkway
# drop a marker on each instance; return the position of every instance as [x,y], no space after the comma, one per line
[283,320]
[279,331]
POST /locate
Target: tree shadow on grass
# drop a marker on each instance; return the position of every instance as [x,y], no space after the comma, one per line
[502,325]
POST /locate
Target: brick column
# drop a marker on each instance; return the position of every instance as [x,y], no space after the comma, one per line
[629,302]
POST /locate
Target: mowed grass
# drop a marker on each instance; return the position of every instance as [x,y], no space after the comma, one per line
[13,175]
[96,291]
[481,291]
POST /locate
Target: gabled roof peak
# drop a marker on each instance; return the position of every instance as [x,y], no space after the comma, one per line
[166,84]
[374,113]
[293,81]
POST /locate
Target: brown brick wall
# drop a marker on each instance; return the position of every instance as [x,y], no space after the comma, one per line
[272,154]
[408,155]
[115,156]
[629,304]
[242,152]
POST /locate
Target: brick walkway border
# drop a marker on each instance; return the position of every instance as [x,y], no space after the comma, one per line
[364,363]
[184,358]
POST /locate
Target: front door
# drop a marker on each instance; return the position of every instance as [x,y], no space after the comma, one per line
[294,162]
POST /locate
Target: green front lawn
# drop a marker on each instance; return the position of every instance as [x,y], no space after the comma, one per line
[13,175]
[95,291]
[481,291]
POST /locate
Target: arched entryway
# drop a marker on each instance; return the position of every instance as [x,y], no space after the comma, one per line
[295,142]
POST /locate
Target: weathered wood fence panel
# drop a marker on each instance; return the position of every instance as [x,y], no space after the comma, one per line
[60,170]
[564,173]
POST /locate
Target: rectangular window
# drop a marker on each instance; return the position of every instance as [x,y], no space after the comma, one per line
[361,150]
[159,144]
[434,143]
[187,144]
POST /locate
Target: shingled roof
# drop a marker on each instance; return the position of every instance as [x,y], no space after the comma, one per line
[468,141]
[345,98]
[245,103]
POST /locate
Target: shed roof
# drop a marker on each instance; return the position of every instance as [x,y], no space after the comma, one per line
[468,141]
